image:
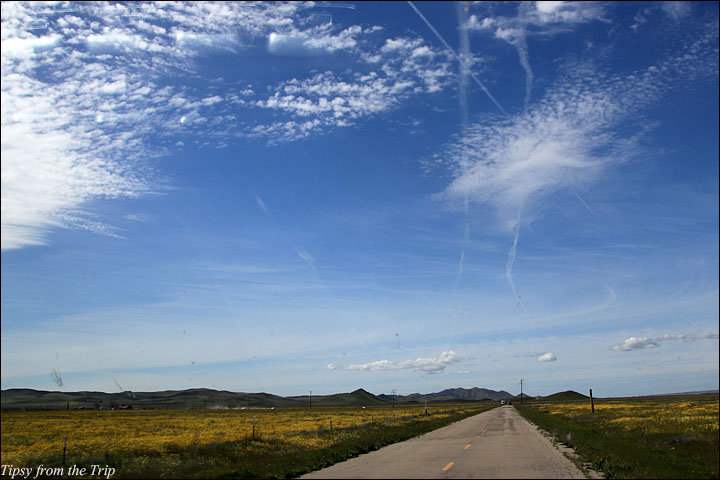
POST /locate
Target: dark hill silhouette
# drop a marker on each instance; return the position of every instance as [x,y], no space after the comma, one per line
[566,396]
[198,398]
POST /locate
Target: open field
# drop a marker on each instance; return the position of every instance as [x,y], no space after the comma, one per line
[205,443]
[641,437]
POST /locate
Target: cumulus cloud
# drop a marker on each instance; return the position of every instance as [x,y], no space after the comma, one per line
[548,357]
[332,366]
[636,343]
[312,43]
[430,365]
[385,77]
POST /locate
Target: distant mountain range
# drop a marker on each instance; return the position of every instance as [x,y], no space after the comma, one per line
[474,394]
[207,398]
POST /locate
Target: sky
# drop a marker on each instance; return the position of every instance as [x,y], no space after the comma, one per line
[286,197]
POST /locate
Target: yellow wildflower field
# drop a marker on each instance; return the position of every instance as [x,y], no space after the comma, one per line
[680,415]
[37,435]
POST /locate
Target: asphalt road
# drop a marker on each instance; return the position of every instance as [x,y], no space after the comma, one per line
[494,444]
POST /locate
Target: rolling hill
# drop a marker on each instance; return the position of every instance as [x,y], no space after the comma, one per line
[197,398]
[565,396]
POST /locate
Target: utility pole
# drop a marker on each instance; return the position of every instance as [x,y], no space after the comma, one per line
[521,385]
[393,394]
[311,399]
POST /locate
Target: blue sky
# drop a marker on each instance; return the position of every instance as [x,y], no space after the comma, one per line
[286,197]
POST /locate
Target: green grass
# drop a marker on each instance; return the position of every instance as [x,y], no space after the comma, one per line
[659,445]
[265,457]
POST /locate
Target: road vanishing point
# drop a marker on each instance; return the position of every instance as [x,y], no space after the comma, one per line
[495,444]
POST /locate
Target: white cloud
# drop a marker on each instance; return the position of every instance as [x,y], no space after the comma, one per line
[565,12]
[570,137]
[635,343]
[27,47]
[676,10]
[544,18]
[548,357]
[516,161]
[402,45]
[332,366]
[313,43]
[51,165]
[687,337]
[430,365]
[81,131]
[404,67]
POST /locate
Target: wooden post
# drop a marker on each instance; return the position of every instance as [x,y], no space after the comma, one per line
[64,449]
[592,404]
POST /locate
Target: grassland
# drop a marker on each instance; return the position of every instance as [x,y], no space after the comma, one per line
[279,443]
[644,437]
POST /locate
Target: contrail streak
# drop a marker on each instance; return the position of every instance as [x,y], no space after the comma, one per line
[305,256]
[464,117]
[509,266]
[583,202]
[457,57]
[465,52]
[463,102]
[521,46]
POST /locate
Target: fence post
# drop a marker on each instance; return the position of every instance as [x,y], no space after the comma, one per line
[592,404]
[64,449]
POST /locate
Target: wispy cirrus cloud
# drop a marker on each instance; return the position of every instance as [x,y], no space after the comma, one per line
[568,139]
[86,107]
[429,365]
[546,18]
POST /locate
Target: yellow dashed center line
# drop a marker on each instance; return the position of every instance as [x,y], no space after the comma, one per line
[467,446]
[447,467]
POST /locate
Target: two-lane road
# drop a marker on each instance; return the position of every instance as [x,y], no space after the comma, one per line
[494,444]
